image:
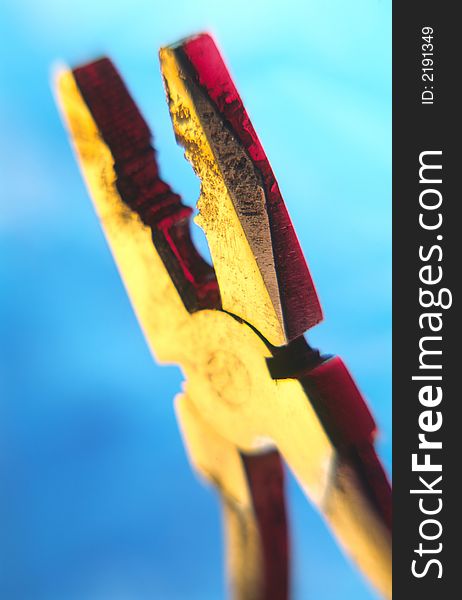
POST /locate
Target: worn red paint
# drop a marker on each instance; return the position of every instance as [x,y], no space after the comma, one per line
[265,475]
[139,183]
[302,309]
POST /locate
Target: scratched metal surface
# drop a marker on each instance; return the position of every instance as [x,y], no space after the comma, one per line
[97,499]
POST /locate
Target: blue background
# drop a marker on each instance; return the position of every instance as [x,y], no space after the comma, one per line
[97,500]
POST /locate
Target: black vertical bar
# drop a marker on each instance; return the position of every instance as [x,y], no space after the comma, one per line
[426,119]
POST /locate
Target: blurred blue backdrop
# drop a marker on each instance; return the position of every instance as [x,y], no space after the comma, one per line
[97,500]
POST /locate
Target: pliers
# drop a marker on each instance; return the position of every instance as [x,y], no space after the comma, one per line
[255,392]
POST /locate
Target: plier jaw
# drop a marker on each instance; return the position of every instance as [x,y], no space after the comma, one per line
[261,271]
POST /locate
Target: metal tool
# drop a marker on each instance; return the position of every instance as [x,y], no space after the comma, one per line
[255,393]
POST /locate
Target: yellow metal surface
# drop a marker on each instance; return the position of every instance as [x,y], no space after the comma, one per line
[230,403]
[247,289]
[219,462]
